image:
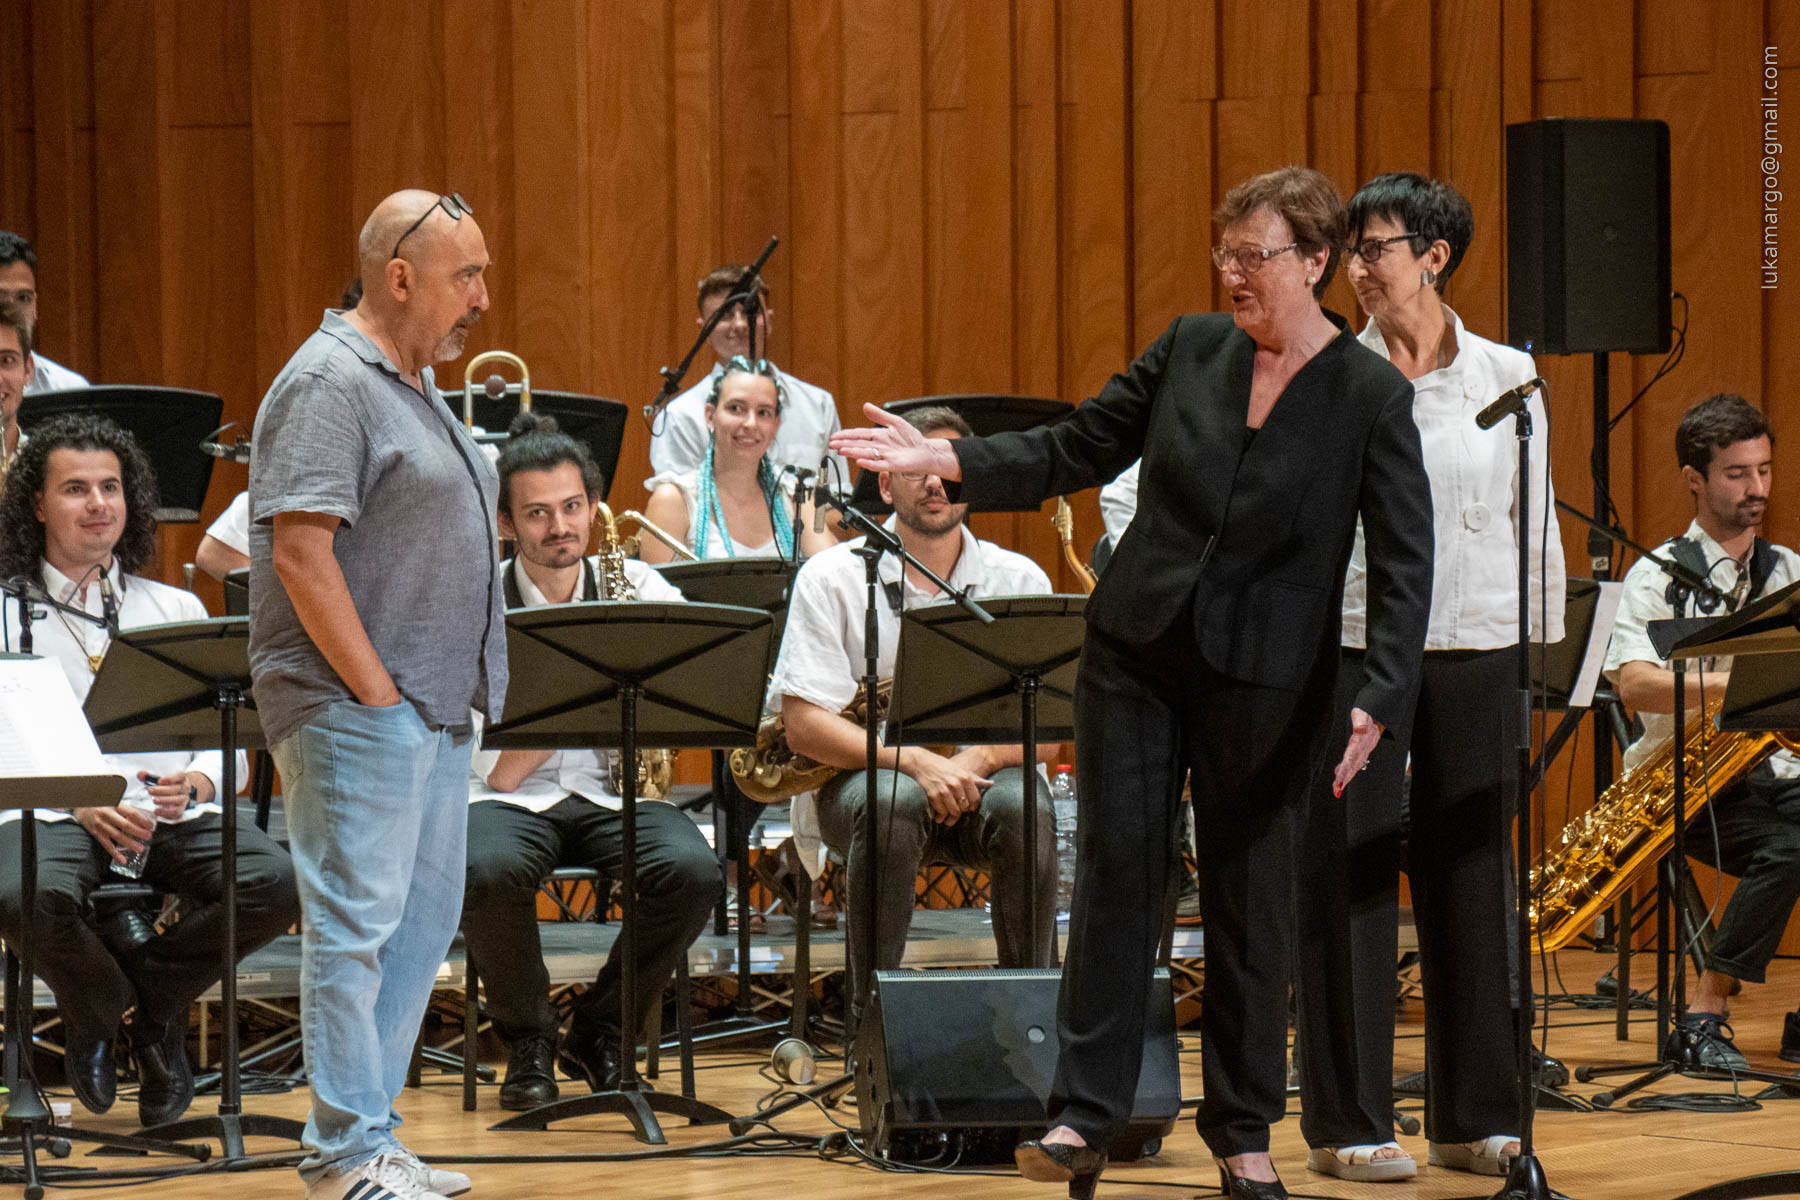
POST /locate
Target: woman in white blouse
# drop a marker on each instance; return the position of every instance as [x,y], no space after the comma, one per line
[1408,234]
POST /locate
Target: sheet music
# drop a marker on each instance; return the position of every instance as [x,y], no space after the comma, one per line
[1606,611]
[42,729]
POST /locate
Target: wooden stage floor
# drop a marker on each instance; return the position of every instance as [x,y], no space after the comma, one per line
[1617,1155]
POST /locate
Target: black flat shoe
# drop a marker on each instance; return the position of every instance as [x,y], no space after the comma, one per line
[591,1054]
[91,1073]
[1056,1162]
[165,1077]
[1239,1188]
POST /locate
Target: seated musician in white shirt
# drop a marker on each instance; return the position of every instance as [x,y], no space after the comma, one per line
[531,811]
[964,809]
[77,508]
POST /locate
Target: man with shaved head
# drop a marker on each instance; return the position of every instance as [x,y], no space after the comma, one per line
[374,630]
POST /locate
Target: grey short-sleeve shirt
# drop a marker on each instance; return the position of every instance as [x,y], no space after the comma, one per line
[341,433]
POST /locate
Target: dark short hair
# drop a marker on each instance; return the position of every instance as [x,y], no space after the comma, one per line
[1721,420]
[14,248]
[722,282]
[535,443]
[352,294]
[933,417]
[15,316]
[1303,198]
[22,534]
[739,365]
[1430,208]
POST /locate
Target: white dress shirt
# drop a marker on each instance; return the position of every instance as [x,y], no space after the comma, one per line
[70,640]
[233,526]
[1474,499]
[1645,599]
[809,417]
[821,659]
[52,377]
[1118,502]
[566,772]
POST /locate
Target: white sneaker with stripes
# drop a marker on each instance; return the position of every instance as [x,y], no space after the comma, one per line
[389,1176]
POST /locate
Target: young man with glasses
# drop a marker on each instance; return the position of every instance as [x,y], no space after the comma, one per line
[369,645]
[18,285]
[968,808]
[1726,452]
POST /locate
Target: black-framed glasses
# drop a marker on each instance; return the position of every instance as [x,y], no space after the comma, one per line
[1247,259]
[452,203]
[1370,250]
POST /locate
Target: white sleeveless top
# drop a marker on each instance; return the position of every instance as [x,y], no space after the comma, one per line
[715,544]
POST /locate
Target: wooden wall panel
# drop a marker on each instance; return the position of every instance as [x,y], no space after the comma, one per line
[970,195]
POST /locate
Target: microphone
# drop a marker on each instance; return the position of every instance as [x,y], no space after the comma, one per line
[109,605]
[1510,402]
[792,1061]
[238,451]
[818,505]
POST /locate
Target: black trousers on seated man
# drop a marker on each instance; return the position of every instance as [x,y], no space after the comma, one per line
[991,839]
[1759,843]
[170,971]
[512,850]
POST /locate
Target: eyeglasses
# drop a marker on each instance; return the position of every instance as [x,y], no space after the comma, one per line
[1248,259]
[17,295]
[453,203]
[1370,250]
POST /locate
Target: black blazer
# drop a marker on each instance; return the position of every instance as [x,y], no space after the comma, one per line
[1259,534]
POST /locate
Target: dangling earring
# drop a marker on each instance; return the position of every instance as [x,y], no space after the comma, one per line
[1428,277]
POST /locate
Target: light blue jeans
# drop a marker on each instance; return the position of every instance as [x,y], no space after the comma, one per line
[377,807]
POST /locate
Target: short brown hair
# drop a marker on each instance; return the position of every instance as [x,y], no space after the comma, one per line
[14,315]
[933,417]
[1303,198]
[1721,420]
[722,281]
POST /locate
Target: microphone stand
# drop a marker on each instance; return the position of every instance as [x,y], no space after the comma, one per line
[743,292]
[1689,580]
[877,541]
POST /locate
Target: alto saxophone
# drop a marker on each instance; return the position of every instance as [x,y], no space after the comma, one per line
[1632,823]
[655,768]
[771,771]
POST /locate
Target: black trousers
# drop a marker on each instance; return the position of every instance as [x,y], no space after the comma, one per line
[93,989]
[512,850]
[992,839]
[1145,717]
[1759,842]
[1458,859]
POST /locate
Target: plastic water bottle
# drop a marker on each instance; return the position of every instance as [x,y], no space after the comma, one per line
[133,866]
[1062,799]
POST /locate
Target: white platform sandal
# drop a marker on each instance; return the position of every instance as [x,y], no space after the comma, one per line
[1489,1156]
[1358,1164]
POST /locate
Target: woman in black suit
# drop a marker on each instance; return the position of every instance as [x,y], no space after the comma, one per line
[1211,651]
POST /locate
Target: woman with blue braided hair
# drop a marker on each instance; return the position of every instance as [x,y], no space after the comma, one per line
[734,505]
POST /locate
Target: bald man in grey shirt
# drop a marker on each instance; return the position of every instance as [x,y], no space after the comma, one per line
[374,630]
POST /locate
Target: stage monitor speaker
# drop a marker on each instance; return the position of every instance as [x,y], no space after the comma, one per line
[1587,236]
[957,1065]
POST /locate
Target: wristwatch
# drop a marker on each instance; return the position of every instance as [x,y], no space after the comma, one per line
[193,795]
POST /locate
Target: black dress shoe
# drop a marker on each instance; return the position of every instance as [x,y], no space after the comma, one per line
[165,1077]
[1054,1162]
[591,1053]
[1790,1037]
[1236,1187]
[530,1073]
[89,1066]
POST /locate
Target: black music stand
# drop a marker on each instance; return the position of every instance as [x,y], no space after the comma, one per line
[957,679]
[25,1114]
[1769,627]
[595,421]
[604,675]
[169,423]
[985,414]
[752,583]
[159,689]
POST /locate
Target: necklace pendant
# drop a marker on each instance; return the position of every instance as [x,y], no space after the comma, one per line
[94,661]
